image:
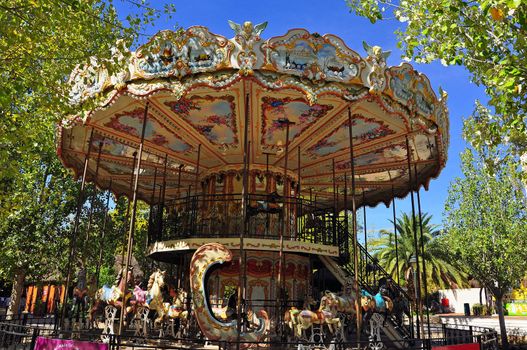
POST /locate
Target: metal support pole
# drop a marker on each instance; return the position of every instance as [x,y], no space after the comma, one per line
[344,239]
[103,234]
[150,235]
[396,240]
[422,251]
[241,285]
[196,178]
[281,277]
[73,240]
[298,211]
[416,242]
[94,196]
[364,220]
[268,189]
[354,226]
[125,226]
[334,219]
[131,229]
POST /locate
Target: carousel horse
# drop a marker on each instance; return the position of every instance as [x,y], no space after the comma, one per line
[400,303]
[213,328]
[109,295]
[177,311]
[328,306]
[80,296]
[154,296]
[300,320]
[375,303]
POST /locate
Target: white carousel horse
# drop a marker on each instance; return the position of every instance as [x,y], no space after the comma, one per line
[154,297]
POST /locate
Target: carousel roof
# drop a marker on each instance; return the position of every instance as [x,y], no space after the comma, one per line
[199,85]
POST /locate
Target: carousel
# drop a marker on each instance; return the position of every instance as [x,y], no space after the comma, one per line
[254,156]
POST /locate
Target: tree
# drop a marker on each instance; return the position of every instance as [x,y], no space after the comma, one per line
[34,233]
[488,37]
[41,42]
[441,271]
[486,222]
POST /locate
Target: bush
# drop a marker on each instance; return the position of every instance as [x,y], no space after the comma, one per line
[480,310]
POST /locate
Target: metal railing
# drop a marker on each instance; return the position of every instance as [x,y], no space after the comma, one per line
[221,216]
[15,336]
[369,275]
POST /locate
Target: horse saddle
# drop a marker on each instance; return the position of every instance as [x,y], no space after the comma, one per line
[379,301]
[110,294]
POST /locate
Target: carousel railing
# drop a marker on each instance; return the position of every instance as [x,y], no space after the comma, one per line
[14,336]
[221,216]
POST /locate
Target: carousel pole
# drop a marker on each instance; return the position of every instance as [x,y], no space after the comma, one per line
[241,284]
[131,227]
[281,263]
[73,241]
[103,234]
[268,187]
[395,233]
[354,226]
[298,211]
[150,218]
[334,201]
[92,201]
[422,252]
[346,223]
[196,179]
[416,244]
[364,220]
[125,226]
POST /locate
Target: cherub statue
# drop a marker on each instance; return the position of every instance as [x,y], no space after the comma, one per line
[247,36]
[377,59]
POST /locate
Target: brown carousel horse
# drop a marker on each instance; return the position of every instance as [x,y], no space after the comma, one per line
[113,295]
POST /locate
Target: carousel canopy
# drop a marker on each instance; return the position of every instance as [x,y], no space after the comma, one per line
[200,87]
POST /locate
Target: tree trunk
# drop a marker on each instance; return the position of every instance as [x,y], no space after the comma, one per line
[16,292]
[503,330]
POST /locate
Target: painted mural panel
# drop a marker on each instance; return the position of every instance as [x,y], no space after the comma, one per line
[296,110]
[364,129]
[132,122]
[212,117]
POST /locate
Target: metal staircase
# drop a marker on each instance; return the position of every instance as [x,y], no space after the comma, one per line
[369,274]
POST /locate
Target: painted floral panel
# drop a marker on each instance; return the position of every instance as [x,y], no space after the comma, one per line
[132,122]
[212,117]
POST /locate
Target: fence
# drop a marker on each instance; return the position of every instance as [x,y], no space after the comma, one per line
[16,335]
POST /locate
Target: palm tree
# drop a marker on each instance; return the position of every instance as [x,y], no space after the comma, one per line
[441,269]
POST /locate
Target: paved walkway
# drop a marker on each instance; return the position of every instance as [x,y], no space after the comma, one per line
[513,323]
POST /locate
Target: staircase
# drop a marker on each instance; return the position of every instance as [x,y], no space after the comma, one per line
[369,274]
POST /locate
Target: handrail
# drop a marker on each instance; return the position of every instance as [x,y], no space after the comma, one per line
[369,262]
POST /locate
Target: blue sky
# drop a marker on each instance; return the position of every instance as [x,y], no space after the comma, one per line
[334,17]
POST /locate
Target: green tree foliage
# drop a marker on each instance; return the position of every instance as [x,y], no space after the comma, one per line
[486,221]
[41,42]
[441,270]
[488,37]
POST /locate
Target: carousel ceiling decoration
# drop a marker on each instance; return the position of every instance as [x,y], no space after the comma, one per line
[199,87]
